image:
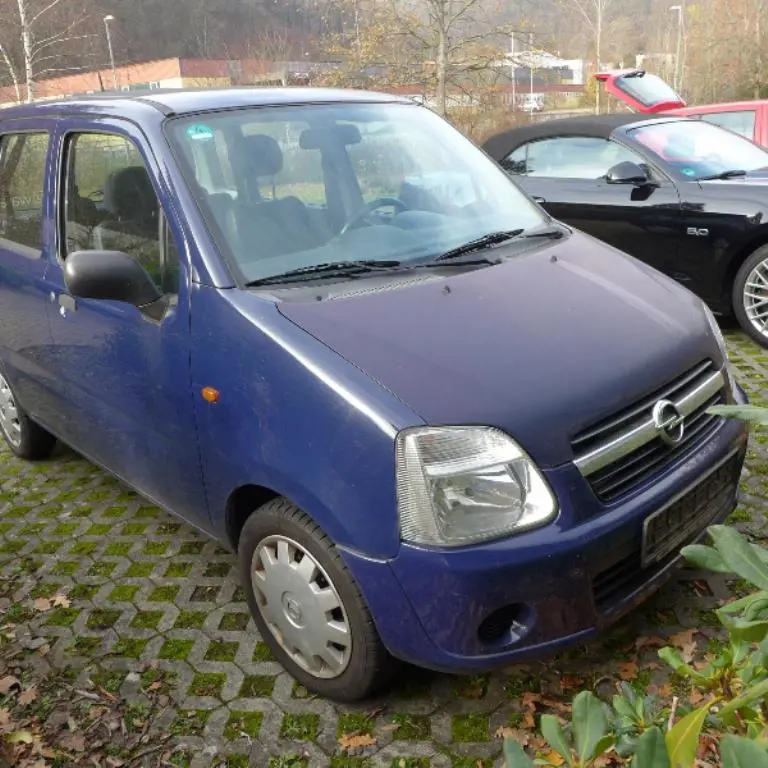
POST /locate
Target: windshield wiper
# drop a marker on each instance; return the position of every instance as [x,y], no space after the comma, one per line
[331,268]
[479,243]
[550,233]
[735,174]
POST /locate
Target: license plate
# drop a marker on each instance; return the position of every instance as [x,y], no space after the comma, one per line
[668,529]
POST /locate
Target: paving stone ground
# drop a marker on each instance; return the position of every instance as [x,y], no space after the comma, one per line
[150,597]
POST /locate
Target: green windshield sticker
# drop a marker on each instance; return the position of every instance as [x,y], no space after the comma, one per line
[199,132]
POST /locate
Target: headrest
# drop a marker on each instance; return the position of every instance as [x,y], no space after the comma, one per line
[261,154]
[129,193]
[317,138]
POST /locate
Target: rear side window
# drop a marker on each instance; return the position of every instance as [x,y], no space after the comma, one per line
[741,122]
[568,157]
[22,178]
[111,205]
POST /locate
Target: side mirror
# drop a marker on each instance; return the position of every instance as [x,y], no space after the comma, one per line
[109,275]
[627,173]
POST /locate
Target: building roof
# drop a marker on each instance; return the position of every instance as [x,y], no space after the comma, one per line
[601,126]
[189,101]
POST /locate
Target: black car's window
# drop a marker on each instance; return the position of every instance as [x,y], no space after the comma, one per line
[741,122]
[22,177]
[111,205]
[568,157]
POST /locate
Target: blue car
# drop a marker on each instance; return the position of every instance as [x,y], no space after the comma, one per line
[324,328]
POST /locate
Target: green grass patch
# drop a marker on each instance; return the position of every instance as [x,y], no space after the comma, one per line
[155,548]
[32,529]
[354,722]
[139,570]
[118,548]
[207,684]
[123,593]
[103,618]
[168,529]
[65,529]
[218,650]
[129,648]
[178,570]
[84,591]
[165,594]
[217,570]
[190,723]
[103,569]
[48,548]
[300,727]
[470,728]
[99,529]
[238,761]
[176,649]
[147,513]
[62,617]
[191,547]
[288,761]
[66,567]
[109,680]
[45,589]
[231,622]
[412,727]
[262,652]
[85,646]
[257,687]
[190,620]
[133,529]
[205,595]
[116,510]
[83,548]
[147,619]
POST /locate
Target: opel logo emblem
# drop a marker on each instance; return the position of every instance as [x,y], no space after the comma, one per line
[669,422]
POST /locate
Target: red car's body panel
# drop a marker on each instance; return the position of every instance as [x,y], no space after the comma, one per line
[759,134]
[643,92]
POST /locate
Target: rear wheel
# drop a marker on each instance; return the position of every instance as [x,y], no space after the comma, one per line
[25,438]
[750,296]
[307,607]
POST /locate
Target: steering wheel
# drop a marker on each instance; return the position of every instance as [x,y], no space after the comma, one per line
[380,202]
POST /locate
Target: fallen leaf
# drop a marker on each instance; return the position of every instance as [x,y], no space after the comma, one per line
[687,652]
[559,706]
[571,683]
[155,686]
[356,740]
[20,737]
[42,604]
[554,758]
[61,601]
[523,738]
[629,670]
[530,700]
[7,684]
[44,650]
[28,696]
[5,717]
[528,720]
[74,741]
[696,697]
[475,692]
[665,691]
[682,638]
[390,727]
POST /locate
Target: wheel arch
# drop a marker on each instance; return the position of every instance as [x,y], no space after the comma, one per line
[741,254]
[241,504]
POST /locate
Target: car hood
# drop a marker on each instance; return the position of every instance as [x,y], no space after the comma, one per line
[542,345]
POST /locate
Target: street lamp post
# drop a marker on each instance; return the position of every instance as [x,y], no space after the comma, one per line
[107,20]
[678,52]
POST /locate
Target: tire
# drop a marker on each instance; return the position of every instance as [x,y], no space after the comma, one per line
[24,437]
[743,304]
[354,672]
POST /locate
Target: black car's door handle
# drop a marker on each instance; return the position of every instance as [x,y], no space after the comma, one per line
[67,302]
[539,200]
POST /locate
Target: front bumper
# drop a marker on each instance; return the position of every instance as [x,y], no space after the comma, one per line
[493,604]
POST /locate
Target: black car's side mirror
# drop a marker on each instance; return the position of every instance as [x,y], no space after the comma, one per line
[110,275]
[627,172]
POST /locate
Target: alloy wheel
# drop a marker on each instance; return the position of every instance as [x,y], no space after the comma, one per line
[301,606]
[9,414]
[755,297]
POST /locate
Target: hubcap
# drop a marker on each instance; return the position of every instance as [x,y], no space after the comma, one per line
[9,415]
[756,297]
[301,606]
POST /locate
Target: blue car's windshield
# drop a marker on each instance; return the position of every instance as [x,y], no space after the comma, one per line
[695,149]
[287,188]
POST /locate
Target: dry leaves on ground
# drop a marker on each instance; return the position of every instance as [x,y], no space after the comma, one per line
[349,741]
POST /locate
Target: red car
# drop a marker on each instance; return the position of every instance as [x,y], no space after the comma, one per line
[648,93]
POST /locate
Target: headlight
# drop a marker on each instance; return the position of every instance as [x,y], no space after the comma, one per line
[461,485]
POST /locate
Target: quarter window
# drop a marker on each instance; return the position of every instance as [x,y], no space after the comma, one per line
[111,205]
[742,122]
[568,157]
[22,178]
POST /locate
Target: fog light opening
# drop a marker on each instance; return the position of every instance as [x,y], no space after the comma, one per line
[506,625]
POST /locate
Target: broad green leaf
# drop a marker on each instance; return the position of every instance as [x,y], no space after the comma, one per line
[751,631]
[757,610]
[752,413]
[761,552]
[675,660]
[553,733]
[752,694]
[651,750]
[743,604]
[624,708]
[739,555]
[738,752]
[706,558]
[515,755]
[683,740]
[590,724]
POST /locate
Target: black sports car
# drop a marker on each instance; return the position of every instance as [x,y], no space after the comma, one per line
[685,196]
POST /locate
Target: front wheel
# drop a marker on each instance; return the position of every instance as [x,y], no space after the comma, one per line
[307,607]
[750,296]
[24,437]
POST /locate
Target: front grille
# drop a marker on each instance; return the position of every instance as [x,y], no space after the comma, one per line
[666,533]
[624,450]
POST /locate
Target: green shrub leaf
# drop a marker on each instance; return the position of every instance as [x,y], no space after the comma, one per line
[651,750]
[752,413]
[706,558]
[738,752]
[515,755]
[590,724]
[553,733]
[683,740]
[739,555]
[752,694]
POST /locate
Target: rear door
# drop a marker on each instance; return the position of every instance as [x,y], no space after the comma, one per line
[566,174]
[26,244]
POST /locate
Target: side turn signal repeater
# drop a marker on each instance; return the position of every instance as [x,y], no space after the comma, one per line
[211,395]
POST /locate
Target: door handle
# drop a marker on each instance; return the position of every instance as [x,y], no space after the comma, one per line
[539,200]
[67,303]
